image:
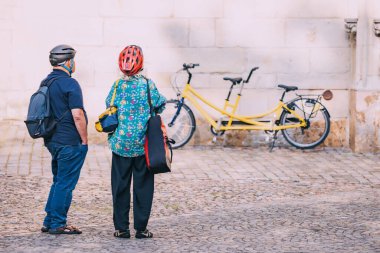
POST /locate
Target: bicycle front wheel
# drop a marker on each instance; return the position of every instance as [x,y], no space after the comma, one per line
[183,127]
[316,129]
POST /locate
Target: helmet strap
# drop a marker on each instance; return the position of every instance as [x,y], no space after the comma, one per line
[70,69]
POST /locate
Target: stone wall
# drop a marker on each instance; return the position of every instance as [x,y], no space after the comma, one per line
[364,130]
[294,42]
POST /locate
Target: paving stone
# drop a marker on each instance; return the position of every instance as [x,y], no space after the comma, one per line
[217,199]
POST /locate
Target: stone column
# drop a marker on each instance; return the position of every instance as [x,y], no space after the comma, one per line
[365,91]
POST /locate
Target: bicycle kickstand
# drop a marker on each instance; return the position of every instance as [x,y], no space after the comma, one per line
[274,138]
[215,138]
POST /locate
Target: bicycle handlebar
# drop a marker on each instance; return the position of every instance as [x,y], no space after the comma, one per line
[193,65]
[190,66]
[250,73]
[187,67]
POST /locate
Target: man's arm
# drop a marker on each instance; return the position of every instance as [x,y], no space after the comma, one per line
[81,124]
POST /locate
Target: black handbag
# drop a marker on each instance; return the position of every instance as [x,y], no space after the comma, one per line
[158,150]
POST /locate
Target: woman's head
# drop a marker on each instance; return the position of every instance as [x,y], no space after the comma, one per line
[131,60]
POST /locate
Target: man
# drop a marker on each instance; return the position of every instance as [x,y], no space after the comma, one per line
[68,144]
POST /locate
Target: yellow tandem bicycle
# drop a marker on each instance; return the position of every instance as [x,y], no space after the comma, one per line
[303,121]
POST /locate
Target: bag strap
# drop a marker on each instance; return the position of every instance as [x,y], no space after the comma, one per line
[48,82]
[170,148]
[114,92]
[170,141]
[59,119]
[167,140]
[149,98]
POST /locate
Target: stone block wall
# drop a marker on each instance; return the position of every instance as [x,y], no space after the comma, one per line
[294,42]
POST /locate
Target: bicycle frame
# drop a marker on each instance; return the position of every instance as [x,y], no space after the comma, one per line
[250,122]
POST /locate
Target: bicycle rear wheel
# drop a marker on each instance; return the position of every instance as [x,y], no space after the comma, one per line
[183,127]
[317,128]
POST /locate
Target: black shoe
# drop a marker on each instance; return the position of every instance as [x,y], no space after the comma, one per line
[122,233]
[44,229]
[143,234]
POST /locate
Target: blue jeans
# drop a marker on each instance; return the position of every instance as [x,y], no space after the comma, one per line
[66,165]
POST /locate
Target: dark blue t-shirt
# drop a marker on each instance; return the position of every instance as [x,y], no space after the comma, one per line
[65,95]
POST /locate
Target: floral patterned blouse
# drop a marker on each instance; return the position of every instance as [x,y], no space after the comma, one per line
[133,114]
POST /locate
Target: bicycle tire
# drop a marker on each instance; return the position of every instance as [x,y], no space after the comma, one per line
[184,125]
[306,133]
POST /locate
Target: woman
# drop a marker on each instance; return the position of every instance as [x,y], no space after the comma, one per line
[127,145]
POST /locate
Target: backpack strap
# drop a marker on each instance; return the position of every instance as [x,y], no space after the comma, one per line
[51,81]
[48,82]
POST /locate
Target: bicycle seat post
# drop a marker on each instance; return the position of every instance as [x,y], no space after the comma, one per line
[241,88]
[230,91]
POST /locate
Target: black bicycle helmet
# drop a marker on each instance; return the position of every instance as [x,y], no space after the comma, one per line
[60,54]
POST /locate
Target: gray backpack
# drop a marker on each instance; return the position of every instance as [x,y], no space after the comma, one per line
[40,120]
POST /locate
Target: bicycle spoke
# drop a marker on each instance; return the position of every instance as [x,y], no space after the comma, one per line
[316,129]
[183,126]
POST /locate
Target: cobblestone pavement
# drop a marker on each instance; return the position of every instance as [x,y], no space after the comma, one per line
[217,199]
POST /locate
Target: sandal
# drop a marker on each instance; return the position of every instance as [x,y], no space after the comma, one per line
[68,230]
[143,234]
[122,234]
[44,229]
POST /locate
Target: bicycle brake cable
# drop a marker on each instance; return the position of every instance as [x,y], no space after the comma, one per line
[173,83]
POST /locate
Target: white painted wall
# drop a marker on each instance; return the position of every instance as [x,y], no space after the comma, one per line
[295,42]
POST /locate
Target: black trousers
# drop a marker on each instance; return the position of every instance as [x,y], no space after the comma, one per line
[123,168]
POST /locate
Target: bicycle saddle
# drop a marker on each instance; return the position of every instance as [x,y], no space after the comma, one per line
[234,80]
[288,88]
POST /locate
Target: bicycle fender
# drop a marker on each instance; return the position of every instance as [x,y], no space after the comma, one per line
[325,110]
